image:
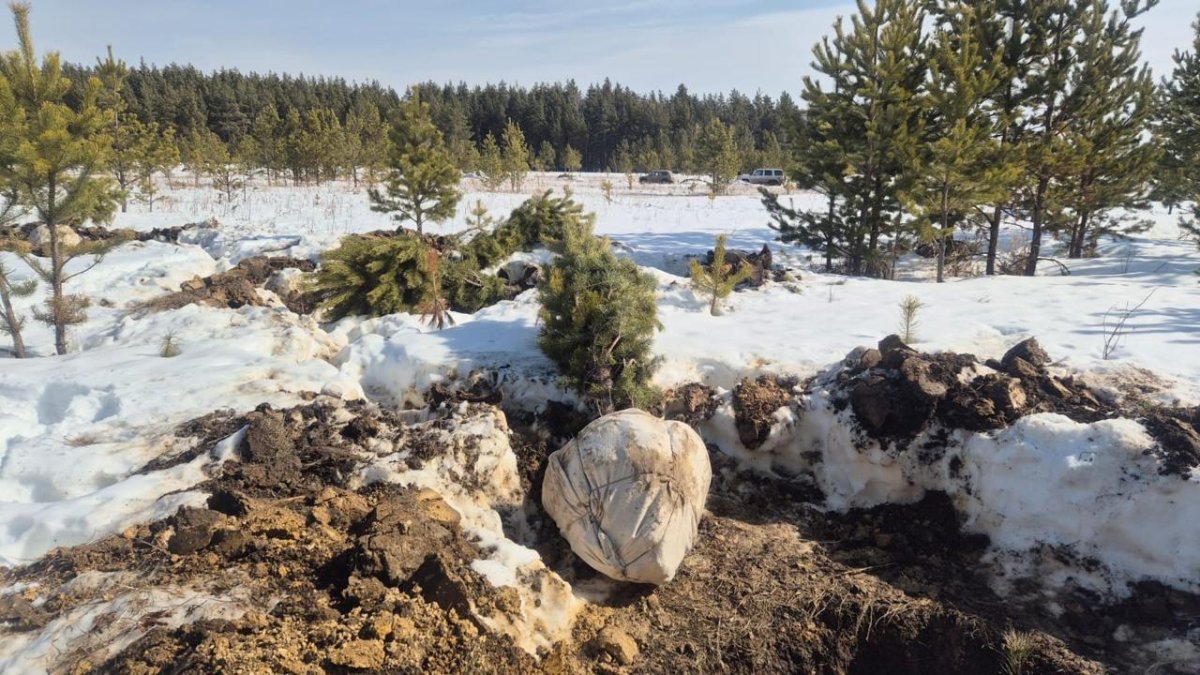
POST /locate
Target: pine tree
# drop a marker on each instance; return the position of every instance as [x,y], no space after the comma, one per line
[491,164]
[960,167]
[543,220]
[1179,130]
[1002,29]
[461,147]
[226,176]
[266,132]
[203,154]
[1115,161]
[158,154]
[859,136]
[125,130]
[623,159]
[421,183]
[547,158]
[516,155]
[772,153]
[647,159]
[572,161]
[373,276]
[1055,31]
[296,157]
[598,321]
[719,279]
[11,322]
[820,168]
[61,148]
[718,154]
[316,146]
[479,220]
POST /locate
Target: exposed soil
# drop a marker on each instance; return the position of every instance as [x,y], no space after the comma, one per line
[768,589]
[378,579]
[691,403]
[897,392]
[98,233]
[238,287]
[754,405]
[761,264]
[1177,431]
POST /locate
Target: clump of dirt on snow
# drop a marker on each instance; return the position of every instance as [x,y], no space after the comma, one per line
[755,403]
[897,392]
[239,286]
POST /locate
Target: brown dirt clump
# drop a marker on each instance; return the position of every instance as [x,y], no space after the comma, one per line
[99,233]
[1177,432]
[897,392]
[691,403]
[754,405]
[760,263]
[327,578]
[237,287]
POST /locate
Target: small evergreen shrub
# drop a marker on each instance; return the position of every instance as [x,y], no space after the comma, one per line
[598,322]
[607,188]
[373,276]
[909,307]
[542,220]
[719,279]
[408,272]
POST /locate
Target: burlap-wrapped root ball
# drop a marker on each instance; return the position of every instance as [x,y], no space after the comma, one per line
[628,494]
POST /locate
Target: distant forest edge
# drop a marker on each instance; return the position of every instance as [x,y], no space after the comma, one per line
[611,127]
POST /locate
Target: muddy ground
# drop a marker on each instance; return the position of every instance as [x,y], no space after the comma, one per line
[332,578]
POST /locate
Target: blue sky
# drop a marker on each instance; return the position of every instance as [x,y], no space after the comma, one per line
[709,45]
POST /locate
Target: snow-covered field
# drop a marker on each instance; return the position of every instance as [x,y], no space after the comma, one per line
[74,430]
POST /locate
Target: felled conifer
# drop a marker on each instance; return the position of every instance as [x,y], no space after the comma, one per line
[373,276]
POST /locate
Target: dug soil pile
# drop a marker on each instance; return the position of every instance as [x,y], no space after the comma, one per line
[297,564]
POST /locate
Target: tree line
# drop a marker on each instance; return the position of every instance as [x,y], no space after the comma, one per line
[605,127]
[928,119]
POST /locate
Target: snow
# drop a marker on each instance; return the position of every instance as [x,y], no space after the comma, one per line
[76,429]
[395,358]
[1045,480]
[100,629]
[477,476]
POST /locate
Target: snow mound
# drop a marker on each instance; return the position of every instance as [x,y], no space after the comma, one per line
[397,358]
[1044,481]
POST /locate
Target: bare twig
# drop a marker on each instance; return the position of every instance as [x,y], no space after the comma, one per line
[1113,335]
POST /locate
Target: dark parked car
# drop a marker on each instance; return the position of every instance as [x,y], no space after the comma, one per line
[657,177]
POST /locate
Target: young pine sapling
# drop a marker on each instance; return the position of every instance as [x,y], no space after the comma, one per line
[719,279]
[909,307]
[606,187]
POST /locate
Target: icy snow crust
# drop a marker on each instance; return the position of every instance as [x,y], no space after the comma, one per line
[75,430]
